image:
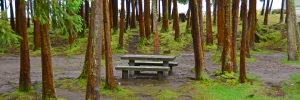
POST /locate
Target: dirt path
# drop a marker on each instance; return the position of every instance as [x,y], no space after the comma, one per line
[133,41]
[267,66]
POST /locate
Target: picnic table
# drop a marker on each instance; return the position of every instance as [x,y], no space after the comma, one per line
[137,63]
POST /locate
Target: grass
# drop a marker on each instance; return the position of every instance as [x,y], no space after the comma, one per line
[167,95]
[292,87]
[286,61]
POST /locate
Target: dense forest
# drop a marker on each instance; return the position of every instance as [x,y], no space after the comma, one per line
[75,49]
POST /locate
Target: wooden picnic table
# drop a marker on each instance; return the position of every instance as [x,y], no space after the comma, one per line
[155,61]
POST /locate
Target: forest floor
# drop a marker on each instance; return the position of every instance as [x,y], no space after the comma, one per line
[267,66]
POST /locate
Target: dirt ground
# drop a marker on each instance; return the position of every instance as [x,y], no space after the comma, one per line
[267,66]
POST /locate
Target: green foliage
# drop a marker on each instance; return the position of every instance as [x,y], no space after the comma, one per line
[115,42]
[119,93]
[286,61]
[7,36]
[17,95]
[292,87]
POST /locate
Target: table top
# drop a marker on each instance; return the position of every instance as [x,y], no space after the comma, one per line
[147,57]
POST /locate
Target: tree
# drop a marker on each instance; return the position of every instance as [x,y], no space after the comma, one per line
[281,11]
[155,30]
[94,56]
[170,9]
[42,14]
[24,81]
[252,20]
[215,12]
[198,51]
[176,21]
[122,24]
[165,25]
[263,7]
[270,8]
[199,4]
[127,13]
[292,31]
[226,59]
[115,14]
[133,21]
[87,13]
[141,20]
[221,22]
[243,43]
[147,18]
[267,13]
[110,81]
[235,11]
[209,35]
[12,19]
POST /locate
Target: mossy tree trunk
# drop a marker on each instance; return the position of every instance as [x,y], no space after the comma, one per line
[243,43]
[122,25]
[176,21]
[24,79]
[165,25]
[155,29]
[147,18]
[292,27]
[235,15]
[221,22]
[209,34]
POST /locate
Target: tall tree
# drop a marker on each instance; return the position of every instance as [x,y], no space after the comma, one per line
[226,59]
[170,9]
[176,20]
[122,25]
[267,13]
[209,35]
[12,19]
[2,5]
[159,14]
[221,22]
[133,20]
[115,14]
[42,14]
[28,12]
[270,8]
[199,61]
[87,13]
[94,56]
[127,13]
[215,12]
[263,7]
[292,27]
[155,30]
[110,81]
[252,20]
[24,80]
[147,18]
[243,43]
[281,11]
[235,15]
[200,13]
[141,20]
[165,25]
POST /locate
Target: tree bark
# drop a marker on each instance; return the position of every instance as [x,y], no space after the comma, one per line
[110,81]
[127,13]
[243,43]
[122,25]
[87,13]
[24,79]
[12,19]
[28,13]
[159,14]
[209,35]
[235,15]
[170,9]
[94,57]
[176,20]
[200,13]
[221,22]
[292,27]
[199,61]
[281,11]
[155,29]
[141,20]
[188,22]
[270,8]
[251,26]
[267,13]
[115,14]
[165,25]
[147,18]
[226,59]
[263,8]
[133,18]
[215,12]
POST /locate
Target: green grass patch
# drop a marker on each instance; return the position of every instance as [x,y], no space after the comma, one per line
[286,61]
[167,95]
[17,95]
[292,87]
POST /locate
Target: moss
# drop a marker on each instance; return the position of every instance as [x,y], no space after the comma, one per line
[292,87]
[17,95]
[167,95]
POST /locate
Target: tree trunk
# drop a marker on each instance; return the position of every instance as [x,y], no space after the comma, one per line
[24,79]
[281,11]
[176,21]
[81,14]
[170,9]
[87,13]
[133,18]
[2,5]
[12,19]
[243,43]
[37,34]
[165,25]
[115,14]
[159,14]
[215,12]
[263,8]
[209,35]
[221,22]
[122,25]
[28,13]
[235,15]
[251,26]
[127,13]
[292,27]
[267,13]
[226,59]
[188,22]
[270,8]
[110,81]
[199,61]
[155,29]
[147,18]
[200,13]
[287,12]
[141,20]
[94,57]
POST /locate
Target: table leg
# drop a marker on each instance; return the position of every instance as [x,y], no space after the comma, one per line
[166,63]
[131,63]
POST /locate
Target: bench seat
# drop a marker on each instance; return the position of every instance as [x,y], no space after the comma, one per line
[160,70]
[138,63]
